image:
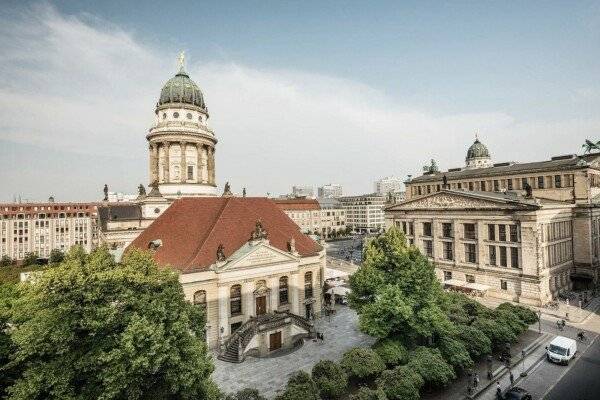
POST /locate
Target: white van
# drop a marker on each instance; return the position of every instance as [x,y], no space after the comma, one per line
[561,350]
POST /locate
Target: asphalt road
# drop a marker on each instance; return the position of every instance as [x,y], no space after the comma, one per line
[582,382]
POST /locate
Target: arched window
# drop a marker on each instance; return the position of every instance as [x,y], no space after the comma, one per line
[235,299]
[308,285]
[283,290]
[200,299]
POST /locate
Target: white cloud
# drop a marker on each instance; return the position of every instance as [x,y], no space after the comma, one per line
[85,86]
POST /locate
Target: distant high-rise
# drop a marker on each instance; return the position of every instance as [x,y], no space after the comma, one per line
[303,191]
[388,184]
[330,191]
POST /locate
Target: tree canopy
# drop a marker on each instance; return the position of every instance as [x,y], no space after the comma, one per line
[94,328]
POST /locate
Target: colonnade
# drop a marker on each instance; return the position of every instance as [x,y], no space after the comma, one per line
[204,166]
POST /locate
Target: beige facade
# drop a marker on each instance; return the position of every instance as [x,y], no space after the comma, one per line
[505,245]
[257,280]
[364,213]
[41,227]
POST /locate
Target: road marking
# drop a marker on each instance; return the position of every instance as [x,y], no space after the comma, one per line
[569,367]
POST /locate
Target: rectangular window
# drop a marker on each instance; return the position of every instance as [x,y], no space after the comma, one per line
[492,232]
[459,185]
[190,172]
[471,186]
[540,182]
[404,227]
[447,275]
[470,253]
[503,260]
[470,278]
[469,231]
[428,246]
[514,257]
[446,230]
[514,237]
[426,228]
[502,233]
[448,251]
[523,183]
[419,190]
[482,186]
[411,228]
[557,181]
[496,185]
[503,284]
[509,184]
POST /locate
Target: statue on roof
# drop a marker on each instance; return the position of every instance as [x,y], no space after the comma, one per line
[227,190]
[221,253]
[141,190]
[181,60]
[243,192]
[259,232]
[105,192]
[528,190]
[445,182]
[292,245]
[589,146]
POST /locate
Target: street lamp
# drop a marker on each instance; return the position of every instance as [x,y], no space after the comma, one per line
[539,321]
[523,373]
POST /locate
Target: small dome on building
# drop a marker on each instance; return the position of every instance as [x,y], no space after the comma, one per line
[181,89]
[477,150]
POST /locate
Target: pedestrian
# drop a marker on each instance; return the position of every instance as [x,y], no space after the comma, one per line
[512,378]
[498,390]
[476,380]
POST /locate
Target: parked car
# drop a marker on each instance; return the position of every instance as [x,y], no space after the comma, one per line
[517,393]
[561,350]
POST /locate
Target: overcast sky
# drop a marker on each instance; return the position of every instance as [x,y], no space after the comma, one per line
[298,92]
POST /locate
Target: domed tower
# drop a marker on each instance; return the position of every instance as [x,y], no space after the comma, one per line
[478,156]
[182,146]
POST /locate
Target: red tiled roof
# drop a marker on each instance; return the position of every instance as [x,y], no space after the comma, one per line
[298,204]
[192,229]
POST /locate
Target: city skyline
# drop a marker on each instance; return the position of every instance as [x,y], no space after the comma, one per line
[89,78]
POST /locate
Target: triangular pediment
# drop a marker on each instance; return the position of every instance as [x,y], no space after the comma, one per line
[254,255]
[448,200]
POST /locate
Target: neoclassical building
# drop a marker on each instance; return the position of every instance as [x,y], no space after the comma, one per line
[182,146]
[519,231]
[257,277]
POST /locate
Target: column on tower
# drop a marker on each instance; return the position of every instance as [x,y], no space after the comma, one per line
[183,162]
[166,169]
[153,162]
[203,163]
[208,165]
[212,165]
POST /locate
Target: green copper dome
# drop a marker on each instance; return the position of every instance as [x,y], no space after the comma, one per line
[477,150]
[181,89]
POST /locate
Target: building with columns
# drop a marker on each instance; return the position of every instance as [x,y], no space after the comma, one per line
[181,145]
[256,276]
[519,231]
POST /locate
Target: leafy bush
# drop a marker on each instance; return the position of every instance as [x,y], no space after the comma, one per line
[364,393]
[512,320]
[455,352]
[56,256]
[400,383]
[6,261]
[525,314]
[30,258]
[246,394]
[475,341]
[391,351]
[430,364]
[331,379]
[362,363]
[300,386]
[498,332]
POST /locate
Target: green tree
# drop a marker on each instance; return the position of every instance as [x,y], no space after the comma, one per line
[476,342]
[391,351]
[525,314]
[246,394]
[455,352]
[300,386]
[30,259]
[429,363]
[56,256]
[400,383]
[364,393]
[362,363]
[498,332]
[8,373]
[94,329]
[6,261]
[331,379]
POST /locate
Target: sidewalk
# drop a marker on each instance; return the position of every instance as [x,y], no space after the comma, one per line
[457,390]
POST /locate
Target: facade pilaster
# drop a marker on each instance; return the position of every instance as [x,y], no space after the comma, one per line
[223,311]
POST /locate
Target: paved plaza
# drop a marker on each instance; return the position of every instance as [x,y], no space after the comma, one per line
[269,375]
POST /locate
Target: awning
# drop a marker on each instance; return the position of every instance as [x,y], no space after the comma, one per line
[466,285]
[339,290]
[455,282]
[477,286]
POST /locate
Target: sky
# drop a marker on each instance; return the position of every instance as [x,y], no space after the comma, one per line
[299,93]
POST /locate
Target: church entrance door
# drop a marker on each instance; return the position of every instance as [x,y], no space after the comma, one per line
[261,305]
[275,341]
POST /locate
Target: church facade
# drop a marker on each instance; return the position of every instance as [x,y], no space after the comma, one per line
[517,231]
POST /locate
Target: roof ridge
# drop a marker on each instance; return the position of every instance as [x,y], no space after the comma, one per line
[212,228]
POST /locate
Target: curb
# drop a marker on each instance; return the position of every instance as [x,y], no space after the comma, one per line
[501,371]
